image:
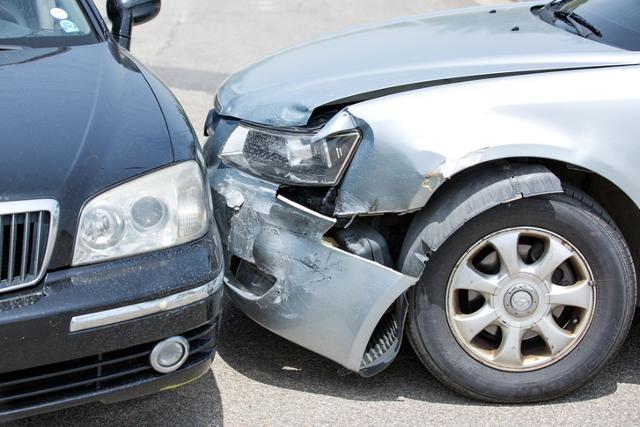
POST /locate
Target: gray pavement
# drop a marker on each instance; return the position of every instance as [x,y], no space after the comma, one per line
[259,378]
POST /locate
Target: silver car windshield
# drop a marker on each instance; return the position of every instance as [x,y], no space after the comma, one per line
[41,23]
[614,22]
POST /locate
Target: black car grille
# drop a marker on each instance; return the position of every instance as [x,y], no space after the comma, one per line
[23,243]
[35,386]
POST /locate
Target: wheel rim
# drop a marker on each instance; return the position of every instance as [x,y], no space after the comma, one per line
[520,299]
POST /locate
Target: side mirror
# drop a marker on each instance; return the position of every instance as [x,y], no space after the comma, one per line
[124,14]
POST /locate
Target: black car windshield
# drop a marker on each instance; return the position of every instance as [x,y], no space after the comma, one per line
[614,22]
[44,23]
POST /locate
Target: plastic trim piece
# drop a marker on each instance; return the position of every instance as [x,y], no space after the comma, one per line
[135,311]
[30,206]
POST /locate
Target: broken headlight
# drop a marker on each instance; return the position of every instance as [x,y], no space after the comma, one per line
[290,157]
[155,211]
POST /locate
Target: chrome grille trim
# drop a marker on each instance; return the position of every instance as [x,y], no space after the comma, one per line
[32,259]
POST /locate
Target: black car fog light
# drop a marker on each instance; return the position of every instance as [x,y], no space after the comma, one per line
[169,355]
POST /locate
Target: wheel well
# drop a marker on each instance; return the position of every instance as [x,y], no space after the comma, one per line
[616,202]
[618,205]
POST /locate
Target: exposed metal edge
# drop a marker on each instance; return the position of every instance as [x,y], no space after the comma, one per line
[305,209]
[135,311]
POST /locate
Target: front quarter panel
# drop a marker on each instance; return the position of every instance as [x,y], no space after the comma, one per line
[414,141]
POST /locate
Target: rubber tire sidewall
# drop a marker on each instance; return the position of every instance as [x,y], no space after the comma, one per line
[608,257]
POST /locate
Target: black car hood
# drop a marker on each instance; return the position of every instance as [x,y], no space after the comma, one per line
[74,122]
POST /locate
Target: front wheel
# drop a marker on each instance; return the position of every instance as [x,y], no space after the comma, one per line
[525,302]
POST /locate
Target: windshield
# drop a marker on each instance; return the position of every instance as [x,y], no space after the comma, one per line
[44,23]
[614,22]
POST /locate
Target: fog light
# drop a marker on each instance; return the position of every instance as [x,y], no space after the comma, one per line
[169,355]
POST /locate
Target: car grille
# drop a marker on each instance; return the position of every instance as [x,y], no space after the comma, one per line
[26,230]
[36,386]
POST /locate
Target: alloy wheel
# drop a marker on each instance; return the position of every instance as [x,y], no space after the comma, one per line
[520,299]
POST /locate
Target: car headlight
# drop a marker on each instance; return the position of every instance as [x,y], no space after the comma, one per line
[159,210]
[290,157]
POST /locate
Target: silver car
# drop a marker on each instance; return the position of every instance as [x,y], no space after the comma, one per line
[468,179]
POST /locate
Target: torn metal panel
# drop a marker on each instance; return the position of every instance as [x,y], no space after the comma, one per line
[385,175]
[324,298]
[469,196]
[483,190]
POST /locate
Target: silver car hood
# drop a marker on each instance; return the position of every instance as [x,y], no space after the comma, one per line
[284,89]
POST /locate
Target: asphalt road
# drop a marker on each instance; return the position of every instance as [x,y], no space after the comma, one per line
[259,378]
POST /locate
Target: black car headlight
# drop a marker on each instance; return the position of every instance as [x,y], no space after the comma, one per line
[294,158]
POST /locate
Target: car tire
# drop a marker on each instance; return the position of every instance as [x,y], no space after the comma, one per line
[546,362]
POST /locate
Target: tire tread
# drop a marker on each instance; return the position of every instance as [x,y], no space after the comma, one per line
[581,200]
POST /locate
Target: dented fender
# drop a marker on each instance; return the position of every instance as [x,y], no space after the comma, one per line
[415,141]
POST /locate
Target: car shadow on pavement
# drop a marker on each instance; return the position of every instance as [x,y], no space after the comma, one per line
[262,356]
[196,404]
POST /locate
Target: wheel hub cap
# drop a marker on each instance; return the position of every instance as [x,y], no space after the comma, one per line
[521,300]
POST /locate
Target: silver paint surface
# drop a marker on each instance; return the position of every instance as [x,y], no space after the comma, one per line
[284,89]
[414,141]
[578,107]
[324,299]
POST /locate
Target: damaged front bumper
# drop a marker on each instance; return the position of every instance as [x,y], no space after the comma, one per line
[286,276]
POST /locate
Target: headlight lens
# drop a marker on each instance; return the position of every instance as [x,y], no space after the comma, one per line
[102,227]
[290,158]
[148,214]
[159,210]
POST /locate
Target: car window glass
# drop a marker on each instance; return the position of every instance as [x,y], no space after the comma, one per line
[44,22]
[617,21]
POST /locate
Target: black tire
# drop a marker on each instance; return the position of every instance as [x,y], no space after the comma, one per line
[583,223]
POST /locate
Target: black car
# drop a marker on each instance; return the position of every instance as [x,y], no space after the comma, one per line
[110,284]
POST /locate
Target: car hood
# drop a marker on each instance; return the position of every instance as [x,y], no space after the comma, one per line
[284,89]
[74,122]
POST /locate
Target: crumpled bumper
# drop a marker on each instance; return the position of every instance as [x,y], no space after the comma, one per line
[299,285]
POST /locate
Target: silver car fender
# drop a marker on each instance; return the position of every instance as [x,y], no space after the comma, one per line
[415,141]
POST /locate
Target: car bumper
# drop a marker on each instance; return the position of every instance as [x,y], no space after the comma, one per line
[290,279]
[85,334]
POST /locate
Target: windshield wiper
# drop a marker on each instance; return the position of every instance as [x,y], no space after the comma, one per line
[580,24]
[557,4]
